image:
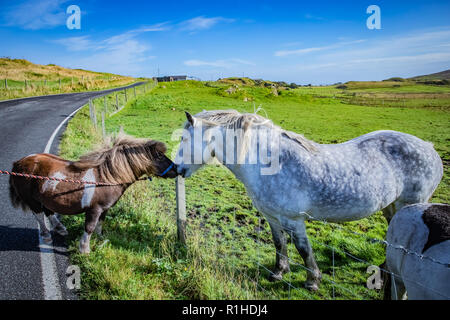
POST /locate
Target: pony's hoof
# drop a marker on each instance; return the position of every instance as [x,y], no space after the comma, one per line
[275,277]
[84,249]
[61,230]
[312,286]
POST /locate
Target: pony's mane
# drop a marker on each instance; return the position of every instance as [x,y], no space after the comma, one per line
[124,161]
[245,121]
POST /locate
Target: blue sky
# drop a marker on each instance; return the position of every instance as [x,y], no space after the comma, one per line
[318,42]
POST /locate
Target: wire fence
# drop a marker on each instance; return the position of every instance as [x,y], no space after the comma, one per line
[244,247]
[340,282]
[108,105]
[20,88]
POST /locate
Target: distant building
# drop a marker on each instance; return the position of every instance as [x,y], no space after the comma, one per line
[170,78]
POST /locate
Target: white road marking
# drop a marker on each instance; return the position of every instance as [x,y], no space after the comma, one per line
[50,279]
[52,289]
[30,155]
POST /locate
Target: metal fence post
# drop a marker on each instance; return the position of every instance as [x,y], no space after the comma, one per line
[6,83]
[181,209]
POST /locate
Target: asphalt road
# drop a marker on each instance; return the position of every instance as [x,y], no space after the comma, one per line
[25,128]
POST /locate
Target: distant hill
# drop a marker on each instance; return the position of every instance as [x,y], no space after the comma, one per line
[443,75]
[21,69]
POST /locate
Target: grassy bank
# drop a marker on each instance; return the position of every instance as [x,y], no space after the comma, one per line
[20,78]
[229,243]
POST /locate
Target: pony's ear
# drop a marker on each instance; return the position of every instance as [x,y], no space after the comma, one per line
[190,118]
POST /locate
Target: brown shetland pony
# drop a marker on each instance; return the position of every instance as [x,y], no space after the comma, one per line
[119,166]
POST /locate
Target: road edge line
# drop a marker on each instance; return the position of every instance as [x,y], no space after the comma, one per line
[50,278]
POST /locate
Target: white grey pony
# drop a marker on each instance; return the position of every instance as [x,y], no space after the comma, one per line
[382,170]
[422,229]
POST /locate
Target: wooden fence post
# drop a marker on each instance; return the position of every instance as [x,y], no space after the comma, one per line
[105,104]
[117,102]
[26,84]
[103,126]
[134,92]
[45,83]
[92,113]
[90,109]
[60,84]
[181,209]
[125,95]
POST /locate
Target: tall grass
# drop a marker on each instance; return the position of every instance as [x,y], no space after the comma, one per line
[51,79]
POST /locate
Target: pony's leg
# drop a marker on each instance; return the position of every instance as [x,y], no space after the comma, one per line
[45,233]
[304,248]
[99,227]
[398,289]
[90,222]
[282,261]
[58,227]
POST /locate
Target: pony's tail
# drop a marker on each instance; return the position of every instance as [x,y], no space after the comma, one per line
[16,199]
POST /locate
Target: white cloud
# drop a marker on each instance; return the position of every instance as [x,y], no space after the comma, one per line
[283,53]
[76,43]
[226,63]
[384,61]
[404,55]
[122,53]
[202,23]
[36,14]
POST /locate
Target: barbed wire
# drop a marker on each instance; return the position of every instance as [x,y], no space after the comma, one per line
[381,241]
[348,254]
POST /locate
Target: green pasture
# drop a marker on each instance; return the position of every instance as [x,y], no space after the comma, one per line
[229,244]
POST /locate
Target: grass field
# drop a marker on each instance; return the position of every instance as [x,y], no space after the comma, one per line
[229,243]
[51,79]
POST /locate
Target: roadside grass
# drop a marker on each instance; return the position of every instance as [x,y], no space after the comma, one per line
[45,79]
[229,243]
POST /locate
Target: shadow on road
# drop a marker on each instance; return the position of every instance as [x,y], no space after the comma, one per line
[23,239]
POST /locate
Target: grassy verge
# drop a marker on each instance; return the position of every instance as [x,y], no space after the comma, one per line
[229,243]
[51,79]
